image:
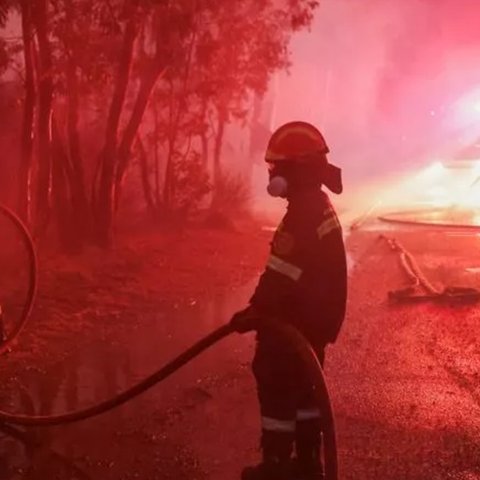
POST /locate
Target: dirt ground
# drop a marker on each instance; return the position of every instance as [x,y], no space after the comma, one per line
[144,273]
[403,378]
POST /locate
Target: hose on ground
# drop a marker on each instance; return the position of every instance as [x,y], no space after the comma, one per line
[401,218]
[419,281]
[27,241]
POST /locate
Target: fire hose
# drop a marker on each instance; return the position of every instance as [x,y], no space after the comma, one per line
[286,331]
[420,282]
[26,239]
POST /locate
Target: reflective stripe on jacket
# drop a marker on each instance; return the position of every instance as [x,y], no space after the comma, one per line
[305,280]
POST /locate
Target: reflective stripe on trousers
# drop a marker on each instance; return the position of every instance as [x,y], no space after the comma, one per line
[275,425]
[308,414]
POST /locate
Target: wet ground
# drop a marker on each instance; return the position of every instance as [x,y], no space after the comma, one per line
[143,439]
[403,379]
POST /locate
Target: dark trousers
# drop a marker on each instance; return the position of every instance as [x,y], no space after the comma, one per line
[285,391]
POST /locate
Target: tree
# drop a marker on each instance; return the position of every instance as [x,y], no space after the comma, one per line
[234,49]
[236,58]
[25,168]
[40,17]
[171,75]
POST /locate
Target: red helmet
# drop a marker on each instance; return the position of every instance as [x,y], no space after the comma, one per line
[301,142]
[296,141]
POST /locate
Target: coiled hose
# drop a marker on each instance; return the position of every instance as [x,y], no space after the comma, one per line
[27,241]
[290,333]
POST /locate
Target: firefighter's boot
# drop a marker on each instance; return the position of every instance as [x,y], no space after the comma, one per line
[307,465]
[276,461]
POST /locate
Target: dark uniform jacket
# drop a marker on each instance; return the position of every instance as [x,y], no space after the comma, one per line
[305,280]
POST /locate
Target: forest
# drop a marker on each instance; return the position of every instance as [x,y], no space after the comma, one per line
[121,109]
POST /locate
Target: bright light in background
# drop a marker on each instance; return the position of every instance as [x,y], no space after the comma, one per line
[452,185]
[394,126]
[467,108]
[438,193]
[449,185]
[433,171]
[442,193]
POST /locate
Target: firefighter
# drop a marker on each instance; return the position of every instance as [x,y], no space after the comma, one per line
[304,283]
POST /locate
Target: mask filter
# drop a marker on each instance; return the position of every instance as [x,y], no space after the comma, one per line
[277,187]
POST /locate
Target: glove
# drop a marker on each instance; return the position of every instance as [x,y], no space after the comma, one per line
[245,320]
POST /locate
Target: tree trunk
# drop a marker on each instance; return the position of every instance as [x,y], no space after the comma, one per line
[144,175]
[217,153]
[169,181]
[175,116]
[131,129]
[62,196]
[108,157]
[45,94]
[204,140]
[255,125]
[79,197]
[24,185]
[157,160]
[217,149]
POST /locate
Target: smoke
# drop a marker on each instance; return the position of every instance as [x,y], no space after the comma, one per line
[393,84]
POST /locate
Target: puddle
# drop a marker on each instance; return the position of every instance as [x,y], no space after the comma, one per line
[108,366]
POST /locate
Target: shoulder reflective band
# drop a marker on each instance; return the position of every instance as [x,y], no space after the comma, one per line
[285,268]
[308,414]
[275,425]
[328,226]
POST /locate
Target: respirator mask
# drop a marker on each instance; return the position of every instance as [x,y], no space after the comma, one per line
[288,177]
[278,184]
